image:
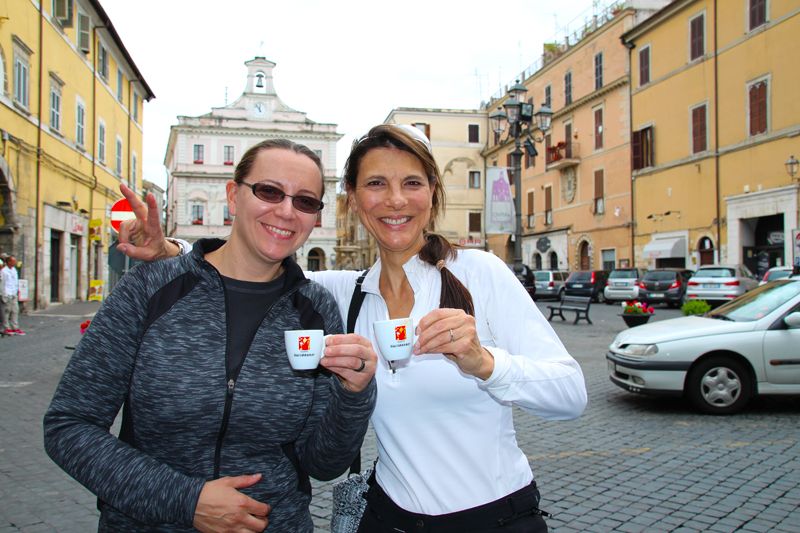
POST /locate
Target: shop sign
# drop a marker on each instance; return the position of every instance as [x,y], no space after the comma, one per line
[470,242]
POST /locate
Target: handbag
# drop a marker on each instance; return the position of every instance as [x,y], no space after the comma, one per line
[349,496]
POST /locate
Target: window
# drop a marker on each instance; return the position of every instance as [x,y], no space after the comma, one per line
[119,85]
[644,66]
[474,222]
[228,153]
[758,108]
[598,129]
[699,143]
[3,78]
[473,132]
[80,123]
[528,160]
[101,142]
[547,97]
[119,156]
[599,192]
[134,167]
[424,128]
[197,215]
[568,88]
[757,13]
[609,259]
[474,179]
[135,108]
[102,62]
[697,41]
[62,12]
[642,147]
[318,222]
[530,209]
[55,102]
[227,219]
[198,154]
[22,65]
[548,205]
[598,71]
[554,265]
[84,29]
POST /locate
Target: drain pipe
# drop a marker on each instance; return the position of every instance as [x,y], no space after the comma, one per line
[37,255]
[716,134]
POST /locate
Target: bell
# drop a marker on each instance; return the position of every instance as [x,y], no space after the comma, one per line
[260,81]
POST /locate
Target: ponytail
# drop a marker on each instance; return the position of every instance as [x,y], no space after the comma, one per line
[454,294]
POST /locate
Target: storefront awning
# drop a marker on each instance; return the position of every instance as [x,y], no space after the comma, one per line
[663,248]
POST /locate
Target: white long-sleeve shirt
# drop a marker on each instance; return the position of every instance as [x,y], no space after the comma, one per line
[10,281]
[446,440]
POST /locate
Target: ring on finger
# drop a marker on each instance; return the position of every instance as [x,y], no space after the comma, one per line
[363,364]
[452,339]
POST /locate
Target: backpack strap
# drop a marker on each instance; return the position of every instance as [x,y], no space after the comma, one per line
[352,317]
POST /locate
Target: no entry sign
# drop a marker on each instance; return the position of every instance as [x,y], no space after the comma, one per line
[121,210]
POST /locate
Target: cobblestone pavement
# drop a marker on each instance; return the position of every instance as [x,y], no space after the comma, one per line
[630,463]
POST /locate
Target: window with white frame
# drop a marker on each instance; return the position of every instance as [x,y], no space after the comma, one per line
[599,192]
[55,102]
[80,122]
[758,106]
[227,219]
[197,214]
[474,179]
[3,77]
[475,222]
[103,61]
[134,167]
[119,85]
[531,207]
[598,71]
[22,66]
[473,133]
[756,13]
[198,153]
[699,116]
[63,12]
[227,152]
[609,259]
[697,36]
[568,88]
[101,141]
[119,156]
[547,100]
[644,65]
[135,108]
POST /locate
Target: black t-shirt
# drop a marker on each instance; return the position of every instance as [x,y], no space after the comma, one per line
[248,303]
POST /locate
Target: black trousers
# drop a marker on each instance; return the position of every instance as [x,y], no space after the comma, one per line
[516,513]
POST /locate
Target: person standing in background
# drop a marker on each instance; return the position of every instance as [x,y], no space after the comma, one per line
[9,297]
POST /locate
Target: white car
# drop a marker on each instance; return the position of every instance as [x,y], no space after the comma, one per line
[776,273]
[720,360]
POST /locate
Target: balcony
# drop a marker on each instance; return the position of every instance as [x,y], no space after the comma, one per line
[562,155]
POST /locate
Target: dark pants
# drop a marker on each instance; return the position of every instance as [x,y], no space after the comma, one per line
[516,513]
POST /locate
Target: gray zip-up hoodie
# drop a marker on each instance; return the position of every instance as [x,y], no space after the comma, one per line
[158,345]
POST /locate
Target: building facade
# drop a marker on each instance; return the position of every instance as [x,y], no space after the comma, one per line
[203,151]
[458,136]
[71,115]
[715,117]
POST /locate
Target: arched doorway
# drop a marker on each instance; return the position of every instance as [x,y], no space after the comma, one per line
[586,261]
[553,261]
[316,260]
[537,261]
[706,249]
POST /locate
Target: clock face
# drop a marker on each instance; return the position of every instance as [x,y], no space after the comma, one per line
[259,110]
[568,184]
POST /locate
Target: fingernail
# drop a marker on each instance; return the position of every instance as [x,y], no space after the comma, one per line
[121,248]
[416,346]
[417,330]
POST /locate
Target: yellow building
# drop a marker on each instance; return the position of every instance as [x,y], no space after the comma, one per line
[71,115]
[576,202]
[715,116]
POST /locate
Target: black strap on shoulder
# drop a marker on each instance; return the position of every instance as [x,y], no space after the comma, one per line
[352,317]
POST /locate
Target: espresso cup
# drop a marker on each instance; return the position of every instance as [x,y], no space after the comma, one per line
[304,347]
[395,338]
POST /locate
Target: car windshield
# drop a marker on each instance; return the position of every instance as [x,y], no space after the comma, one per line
[542,275]
[660,276]
[715,273]
[626,274]
[778,274]
[759,302]
[580,276]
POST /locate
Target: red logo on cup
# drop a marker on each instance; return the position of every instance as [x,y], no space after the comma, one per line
[305,343]
[400,333]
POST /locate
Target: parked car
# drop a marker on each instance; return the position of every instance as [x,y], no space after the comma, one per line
[526,278]
[549,283]
[720,360]
[720,283]
[587,283]
[623,285]
[776,273]
[664,285]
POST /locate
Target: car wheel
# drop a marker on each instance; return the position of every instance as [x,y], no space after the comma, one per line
[560,295]
[609,302]
[719,386]
[599,298]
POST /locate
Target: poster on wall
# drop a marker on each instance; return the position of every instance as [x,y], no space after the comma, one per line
[499,203]
[23,290]
[796,247]
[96,229]
[96,290]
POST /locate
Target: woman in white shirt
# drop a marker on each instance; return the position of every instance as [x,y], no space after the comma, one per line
[448,456]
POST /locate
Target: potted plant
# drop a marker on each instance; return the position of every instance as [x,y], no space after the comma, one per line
[636,313]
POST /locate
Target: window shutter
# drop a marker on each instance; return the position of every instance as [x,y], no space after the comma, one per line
[474,222]
[548,199]
[598,129]
[61,9]
[474,134]
[647,151]
[644,66]
[598,184]
[753,110]
[698,129]
[428,131]
[758,108]
[83,33]
[530,202]
[636,148]
[697,39]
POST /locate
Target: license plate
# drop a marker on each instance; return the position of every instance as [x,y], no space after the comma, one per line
[612,367]
[577,286]
[711,285]
[656,295]
[619,284]
[541,285]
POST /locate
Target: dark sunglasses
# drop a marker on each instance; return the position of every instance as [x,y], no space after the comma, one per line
[273,195]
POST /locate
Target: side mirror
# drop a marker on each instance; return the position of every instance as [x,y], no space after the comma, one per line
[793,320]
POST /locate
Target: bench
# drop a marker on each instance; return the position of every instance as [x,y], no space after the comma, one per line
[579,304]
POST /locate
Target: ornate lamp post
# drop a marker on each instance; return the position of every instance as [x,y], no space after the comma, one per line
[519,116]
[791,167]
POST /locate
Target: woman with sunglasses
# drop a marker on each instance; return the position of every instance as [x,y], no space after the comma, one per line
[218,432]
[448,457]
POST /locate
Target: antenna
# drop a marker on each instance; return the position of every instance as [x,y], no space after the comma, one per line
[226,96]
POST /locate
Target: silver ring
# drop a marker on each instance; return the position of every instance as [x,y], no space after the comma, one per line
[452,339]
[363,364]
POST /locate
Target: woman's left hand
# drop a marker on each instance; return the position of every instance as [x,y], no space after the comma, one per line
[452,332]
[352,358]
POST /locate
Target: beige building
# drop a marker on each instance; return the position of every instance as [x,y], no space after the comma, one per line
[715,117]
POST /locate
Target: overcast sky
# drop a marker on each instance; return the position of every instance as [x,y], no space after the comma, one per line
[347,62]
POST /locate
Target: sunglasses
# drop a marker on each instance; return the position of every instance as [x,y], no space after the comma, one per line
[273,195]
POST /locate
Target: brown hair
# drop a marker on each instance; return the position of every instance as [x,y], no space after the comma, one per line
[454,294]
[245,165]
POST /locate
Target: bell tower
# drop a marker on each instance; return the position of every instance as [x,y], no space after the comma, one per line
[259,77]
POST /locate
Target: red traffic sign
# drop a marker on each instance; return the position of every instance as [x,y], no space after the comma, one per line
[121,210]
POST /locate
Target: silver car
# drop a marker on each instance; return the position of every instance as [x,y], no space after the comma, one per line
[549,283]
[776,273]
[720,283]
[623,285]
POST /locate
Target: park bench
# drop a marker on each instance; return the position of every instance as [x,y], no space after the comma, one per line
[579,304]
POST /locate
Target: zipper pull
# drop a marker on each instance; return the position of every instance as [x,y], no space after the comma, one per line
[231,385]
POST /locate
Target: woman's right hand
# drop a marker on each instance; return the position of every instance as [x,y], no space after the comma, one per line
[223,509]
[149,243]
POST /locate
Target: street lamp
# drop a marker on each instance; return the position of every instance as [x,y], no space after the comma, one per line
[519,115]
[791,167]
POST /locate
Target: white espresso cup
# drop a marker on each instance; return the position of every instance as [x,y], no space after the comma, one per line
[304,347]
[395,338]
